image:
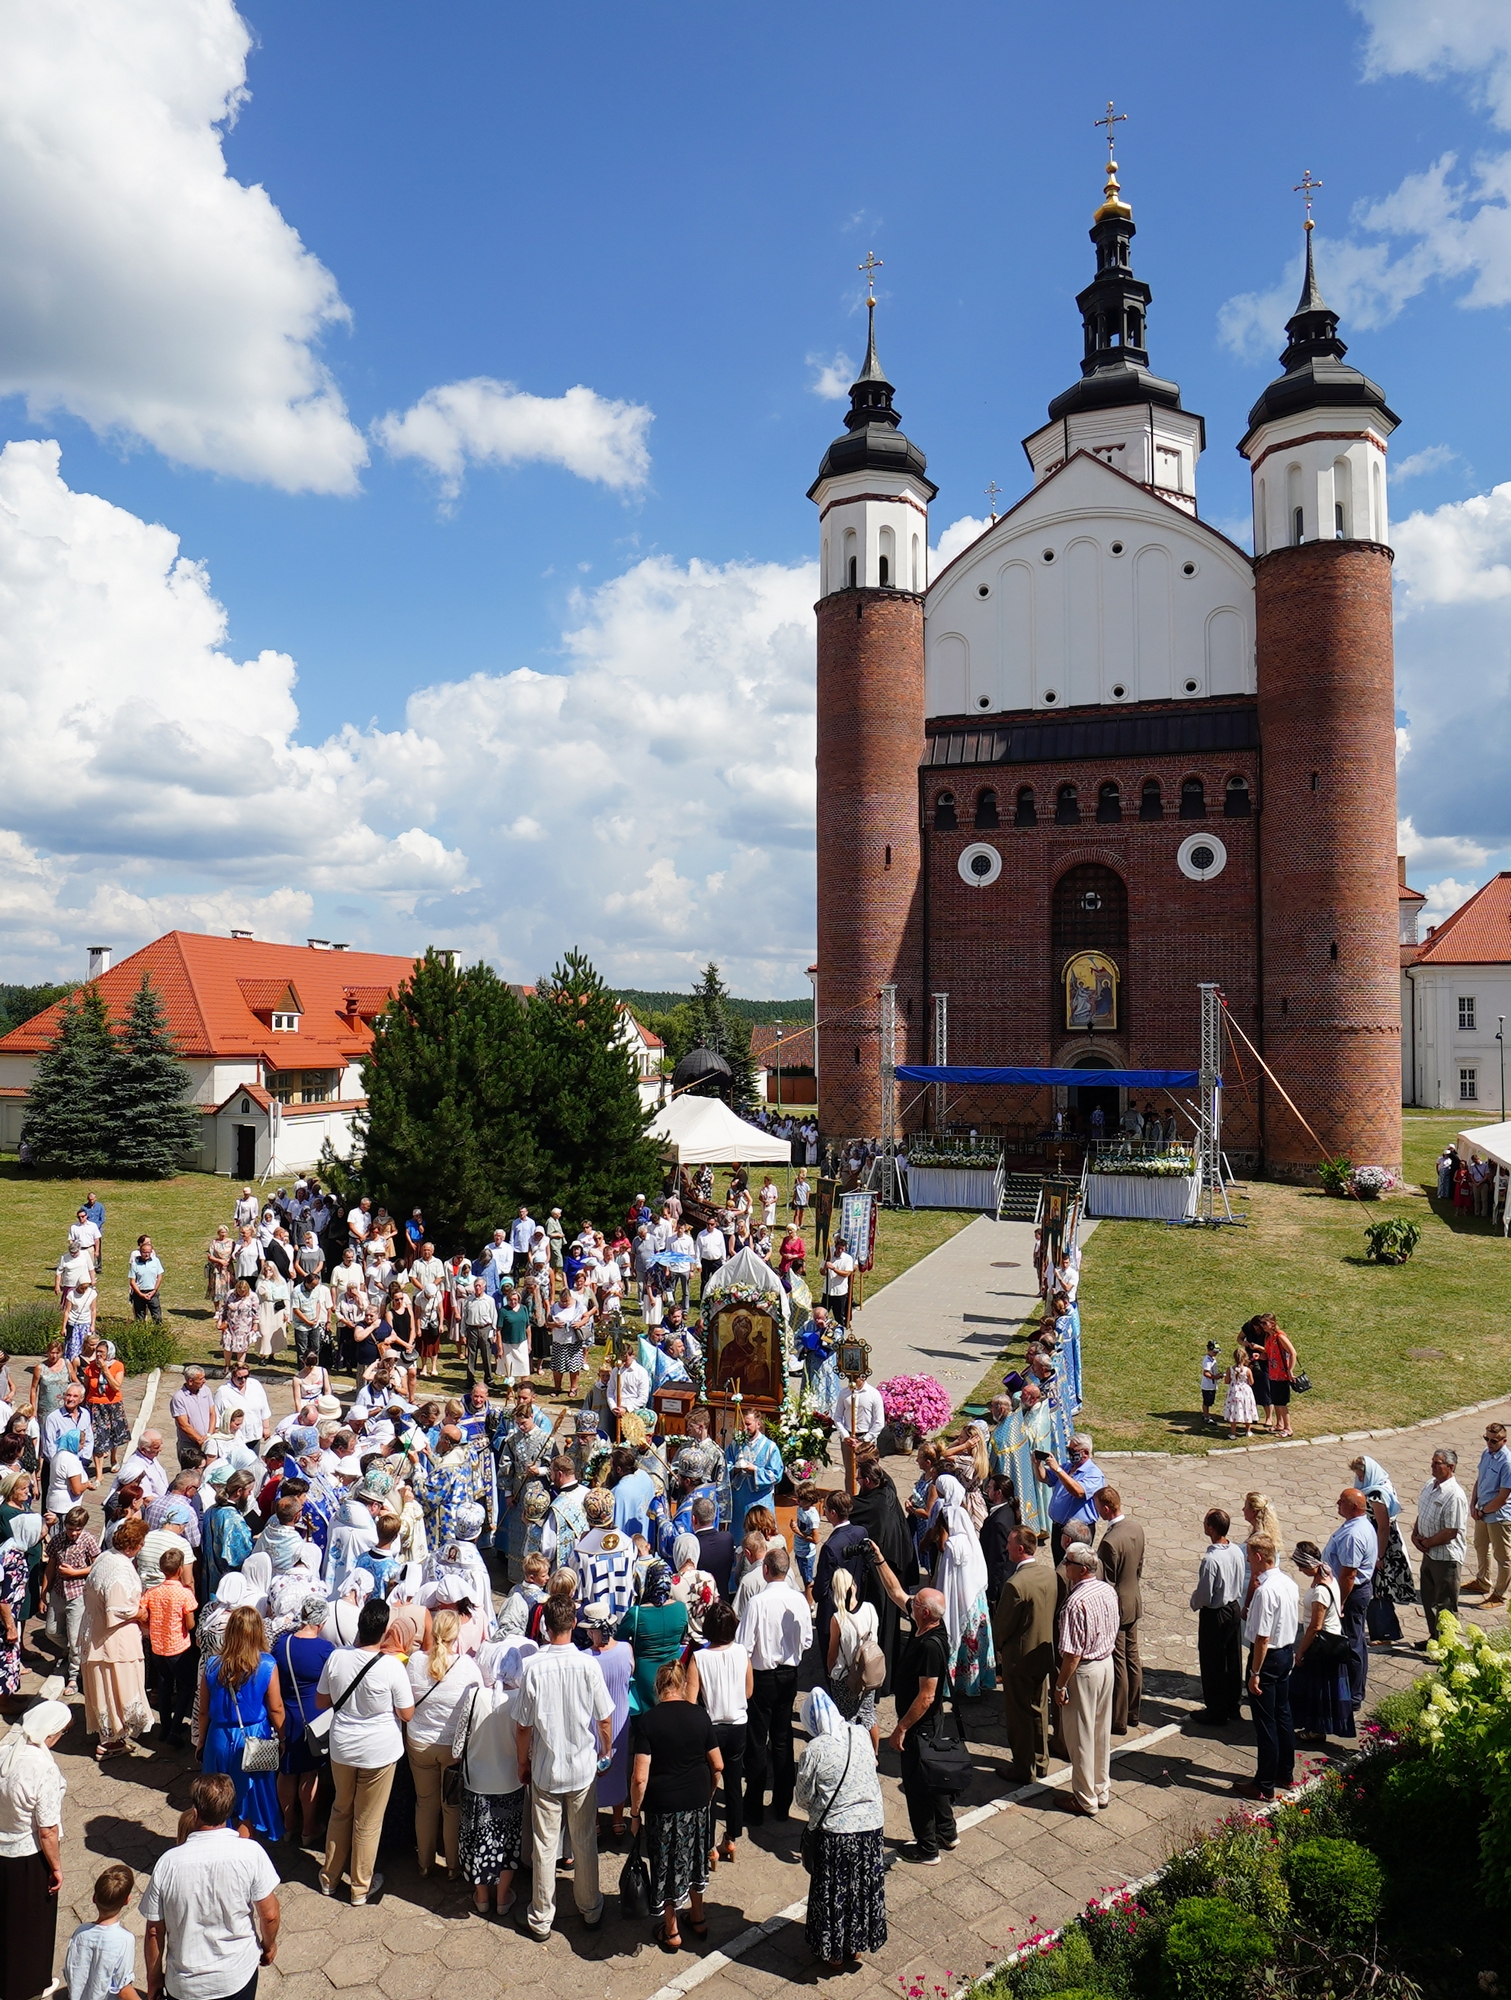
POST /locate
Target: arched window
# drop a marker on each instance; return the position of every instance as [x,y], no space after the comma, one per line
[1090,910]
[883,571]
[1193,799]
[850,575]
[1294,514]
[1109,804]
[886,559]
[1025,813]
[917,584]
[986,809]
[1151,803]
[1261,523]
[1236,803]
[1343,495]
[1067,807]
[851,559]
[944,813]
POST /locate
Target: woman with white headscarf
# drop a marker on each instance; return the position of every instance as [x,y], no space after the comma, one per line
[25,1533]
[31,1864]
[960,1575]
[840,1790]
[110,1645]
[491,1847]
[340,1628]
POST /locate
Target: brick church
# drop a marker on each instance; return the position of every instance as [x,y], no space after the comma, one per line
[1106,755]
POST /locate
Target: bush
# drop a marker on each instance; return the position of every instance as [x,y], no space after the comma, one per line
[1335,1886]
[1398,1711]
[141,1345]
[1126,1938]
[1391,1242]
[1065,1968]
[1211,1948]
[1239,1863]
[1335,1174]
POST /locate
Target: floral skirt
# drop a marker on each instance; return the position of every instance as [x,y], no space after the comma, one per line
[491,1840]
[111,1431]
[853,1707]
[10,1668]
[677,1847]
[1393,1577]
[847,1898]
[974,1669]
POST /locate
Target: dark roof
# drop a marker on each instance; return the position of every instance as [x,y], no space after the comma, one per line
[1316,376]
[1111,386]
[1184,731]
[873,440]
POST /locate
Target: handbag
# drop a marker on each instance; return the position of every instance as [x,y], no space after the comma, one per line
[634,1885]
[259,1754]
[451,1777]
[808,1844]
[944,1763]
[1301,1381]
[317,1731]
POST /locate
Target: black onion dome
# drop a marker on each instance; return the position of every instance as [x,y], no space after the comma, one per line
[874,441]
[1316,376]
[697,1066]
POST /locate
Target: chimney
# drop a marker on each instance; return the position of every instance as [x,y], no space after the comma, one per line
[340,947]
[1401,871]
[449,953]
[1432,930]
[241,934]
[349,1004]
[99,960]
[318,944]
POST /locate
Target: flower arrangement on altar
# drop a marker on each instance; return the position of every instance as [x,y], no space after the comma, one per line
[915,1405]
[1169,1167]
[801,1434]
[771,1300]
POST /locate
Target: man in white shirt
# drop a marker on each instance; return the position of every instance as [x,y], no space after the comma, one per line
[776,1629]
[84,1235]
[242,1391]
[480,1316]
[562,1706]
[145,1464]
[1440,1537]
[360,1221]
[245,1211]
[629,1389]
[522,1232]
[211,1907]
[503,1253]
[858,1417]
[711,1253]
[839,1268]
[1270,1632]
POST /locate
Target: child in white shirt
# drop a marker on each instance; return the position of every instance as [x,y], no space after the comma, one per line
[1211,1374]
[101,1959]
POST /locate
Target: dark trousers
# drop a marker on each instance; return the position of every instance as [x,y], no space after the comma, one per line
[1127,1680]
[768,1740]
[730,1737]
[176,1676]
[1219,1655]
[708,1266]
[1025,1703]
[1270,1711]
[838,1306]
[147,1308]
[1355,1630]
[480,1358]
[1440,1591]
[931,1814]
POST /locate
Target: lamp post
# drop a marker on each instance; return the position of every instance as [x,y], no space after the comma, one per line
[778,1065]
[1500,1040]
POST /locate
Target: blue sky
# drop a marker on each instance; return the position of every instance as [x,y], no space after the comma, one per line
[400,692]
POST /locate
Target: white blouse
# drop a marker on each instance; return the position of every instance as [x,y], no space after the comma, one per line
[721,1675]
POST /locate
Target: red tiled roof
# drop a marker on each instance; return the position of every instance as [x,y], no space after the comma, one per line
[202,982]
[797,1046]
[271,996]
[1478,932]
[1405,895]
[253,1090]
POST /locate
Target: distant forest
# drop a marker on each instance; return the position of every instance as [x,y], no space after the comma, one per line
[19,1003]
[745,1010]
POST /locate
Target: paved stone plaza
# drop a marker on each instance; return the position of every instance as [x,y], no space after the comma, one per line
[1020,1865]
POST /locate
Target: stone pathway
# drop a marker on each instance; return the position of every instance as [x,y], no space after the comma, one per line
[1021,1865]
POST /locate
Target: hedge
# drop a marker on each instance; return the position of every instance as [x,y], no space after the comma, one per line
[141,1344]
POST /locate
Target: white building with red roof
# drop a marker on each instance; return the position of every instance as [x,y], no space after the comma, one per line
[1457,999]
[272,1039]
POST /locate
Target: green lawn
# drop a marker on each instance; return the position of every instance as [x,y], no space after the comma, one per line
[1384,1345]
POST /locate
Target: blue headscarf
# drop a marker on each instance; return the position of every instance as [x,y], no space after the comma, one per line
[1377,1486]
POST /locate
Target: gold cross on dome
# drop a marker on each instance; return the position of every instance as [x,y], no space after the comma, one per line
[868,270]
[1110,118]
[991,490]
[1307,186]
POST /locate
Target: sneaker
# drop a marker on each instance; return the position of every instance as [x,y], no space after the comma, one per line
[374,1891]
[949,1846]
[913,1852]
[327,1888]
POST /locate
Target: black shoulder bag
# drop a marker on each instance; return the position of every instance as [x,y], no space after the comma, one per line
[317,1731]
[944,1763]
[808,1845]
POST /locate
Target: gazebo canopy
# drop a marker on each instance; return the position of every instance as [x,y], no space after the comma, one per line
[702,1129]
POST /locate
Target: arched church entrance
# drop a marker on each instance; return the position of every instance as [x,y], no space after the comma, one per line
[1086,1099]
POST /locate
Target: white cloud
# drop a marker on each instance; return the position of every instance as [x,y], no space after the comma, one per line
[1441,851]
[957,536]
[1434,39]
[484,422]
[831,378]
[1432,458]
[1443,898]
[1458,554]
[142,288]
[1403,748]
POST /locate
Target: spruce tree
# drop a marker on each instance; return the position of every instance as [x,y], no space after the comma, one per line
[154,1130]
[68,1115]
[447,1125]
[586,1113]
[727,1035]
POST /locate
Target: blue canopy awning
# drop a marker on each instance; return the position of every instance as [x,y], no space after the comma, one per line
[1134,1079]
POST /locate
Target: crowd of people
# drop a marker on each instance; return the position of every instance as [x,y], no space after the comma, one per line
[498,1637]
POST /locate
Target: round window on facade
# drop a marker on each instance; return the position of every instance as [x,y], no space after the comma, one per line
[1188,569]
[1192,686]
[983,701]
[983,590]
[1118,691]
[980,864]
[1201,856]
[1117,548]
[1049,555]
[1049,697]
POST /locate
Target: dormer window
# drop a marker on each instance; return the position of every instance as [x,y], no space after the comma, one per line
[285,1024]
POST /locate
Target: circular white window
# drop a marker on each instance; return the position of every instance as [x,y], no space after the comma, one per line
[979,865]
[1201,856]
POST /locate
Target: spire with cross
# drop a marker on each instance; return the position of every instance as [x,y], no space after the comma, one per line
[1307,186]
[1112,201]
[992,490]
[1311,307]
[872,370]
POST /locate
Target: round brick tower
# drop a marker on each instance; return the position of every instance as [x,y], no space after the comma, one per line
[1331,1013]
[873,497]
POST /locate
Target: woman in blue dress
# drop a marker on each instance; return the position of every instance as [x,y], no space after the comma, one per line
[239,1697]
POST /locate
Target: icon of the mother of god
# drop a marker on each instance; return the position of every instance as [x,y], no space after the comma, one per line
[742,1364]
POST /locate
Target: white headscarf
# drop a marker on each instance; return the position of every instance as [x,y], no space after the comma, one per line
[821,1717]
[234,1590]
[257,1570]
[962,1568]
[25,1532]
[30,1734]
[502,1661]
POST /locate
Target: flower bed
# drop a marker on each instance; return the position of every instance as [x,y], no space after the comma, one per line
[1345,1891]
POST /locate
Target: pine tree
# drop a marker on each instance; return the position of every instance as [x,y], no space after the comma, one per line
[68,1116]
[727,1035]
[586,1113]
[447,1125]
[153,1129]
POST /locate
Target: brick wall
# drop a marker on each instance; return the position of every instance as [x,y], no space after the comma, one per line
[1331,999]
[870,737]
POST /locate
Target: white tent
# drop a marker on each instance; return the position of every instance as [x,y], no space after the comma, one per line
[702,1129]
[1493,1141]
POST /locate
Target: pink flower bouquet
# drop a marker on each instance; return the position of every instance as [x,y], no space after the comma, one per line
[915,1403]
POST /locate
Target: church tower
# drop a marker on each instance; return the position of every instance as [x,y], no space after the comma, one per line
[873,494]
[1324,662]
